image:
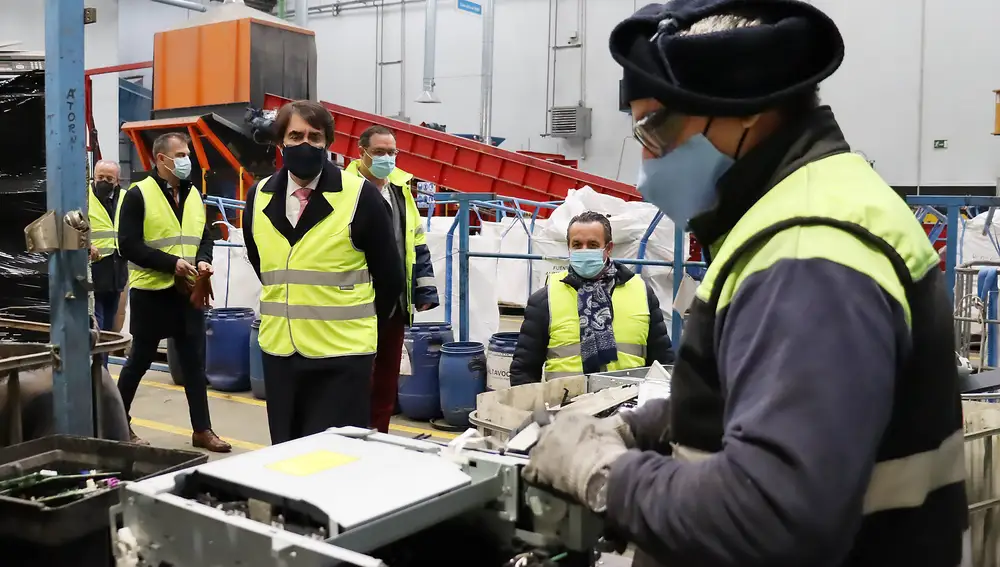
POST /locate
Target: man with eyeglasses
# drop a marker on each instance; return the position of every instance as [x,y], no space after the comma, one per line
[377,164]
[814,416]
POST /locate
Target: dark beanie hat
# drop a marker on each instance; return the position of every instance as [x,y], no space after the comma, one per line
[731,72]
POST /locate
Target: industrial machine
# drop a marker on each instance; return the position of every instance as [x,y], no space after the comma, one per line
[14,63]
[351,496]
[206,73]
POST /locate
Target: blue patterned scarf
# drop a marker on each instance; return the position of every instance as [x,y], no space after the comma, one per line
[597,338]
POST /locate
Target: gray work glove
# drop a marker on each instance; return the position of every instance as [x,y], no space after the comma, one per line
[574,456]
[622,428]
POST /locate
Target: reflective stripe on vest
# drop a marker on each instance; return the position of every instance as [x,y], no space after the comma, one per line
[809,206]
[317,297]
[414,230]
[897,483]
[630,306]
[103,235]
[162,231]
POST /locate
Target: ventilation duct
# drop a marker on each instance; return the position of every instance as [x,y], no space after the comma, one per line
[430,46]
[187,4]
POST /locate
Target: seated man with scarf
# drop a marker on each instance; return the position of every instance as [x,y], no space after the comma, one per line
[598,316]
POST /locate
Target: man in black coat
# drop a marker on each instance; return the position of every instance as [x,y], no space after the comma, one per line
[596,279]
[158,314]
[317,238]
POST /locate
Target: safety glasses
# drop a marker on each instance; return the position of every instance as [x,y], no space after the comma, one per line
[658,131]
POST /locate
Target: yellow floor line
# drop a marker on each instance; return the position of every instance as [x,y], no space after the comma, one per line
[167,428]
[263,404]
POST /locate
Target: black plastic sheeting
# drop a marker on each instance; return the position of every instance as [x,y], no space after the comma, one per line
[24,284]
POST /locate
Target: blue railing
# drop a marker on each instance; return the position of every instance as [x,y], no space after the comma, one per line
[476,203]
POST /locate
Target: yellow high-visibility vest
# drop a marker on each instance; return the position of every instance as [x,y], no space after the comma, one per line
[317,297]
[630,306]
[103,234]
[414,233]
[162,231]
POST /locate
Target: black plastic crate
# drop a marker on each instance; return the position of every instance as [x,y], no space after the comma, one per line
[76,533]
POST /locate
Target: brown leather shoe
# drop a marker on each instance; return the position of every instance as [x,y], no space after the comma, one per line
[135,439]
[209,440]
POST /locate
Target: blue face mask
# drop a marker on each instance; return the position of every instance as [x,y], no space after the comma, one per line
[382,166]
[682,182]
[587,263]
[182,167]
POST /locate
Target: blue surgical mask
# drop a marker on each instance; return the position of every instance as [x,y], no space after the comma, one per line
[587,263]
[682,182]
[182,167]
[382,166]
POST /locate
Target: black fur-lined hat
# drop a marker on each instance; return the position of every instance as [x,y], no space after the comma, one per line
[730,71]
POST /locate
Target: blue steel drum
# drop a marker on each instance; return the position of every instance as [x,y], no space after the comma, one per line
[227,348]
[256,362]
[498,359]
[419,396]
[463,377]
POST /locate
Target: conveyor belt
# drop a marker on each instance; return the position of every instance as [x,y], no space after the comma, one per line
[465,165]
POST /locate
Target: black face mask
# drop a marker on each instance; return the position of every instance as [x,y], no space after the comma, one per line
[304,161]
[103,189]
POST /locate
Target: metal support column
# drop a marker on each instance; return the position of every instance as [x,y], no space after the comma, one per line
[464,210]
[67,191]
[676,322]
[951,250]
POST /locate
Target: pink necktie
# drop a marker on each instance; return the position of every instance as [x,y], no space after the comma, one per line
[302,194]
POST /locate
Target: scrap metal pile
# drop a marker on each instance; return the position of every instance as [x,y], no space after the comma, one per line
[53,489]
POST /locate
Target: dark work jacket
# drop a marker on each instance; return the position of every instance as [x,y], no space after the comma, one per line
[423,267]
[533,341]
[371,231]
[110,273]
[166,312]
[803,383]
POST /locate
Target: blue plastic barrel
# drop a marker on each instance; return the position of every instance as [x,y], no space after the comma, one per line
[227,348]
[256,362]
[419,396]
[498,358]
[463,377]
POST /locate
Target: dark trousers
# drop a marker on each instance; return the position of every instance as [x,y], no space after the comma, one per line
[385,375]
[307,396]
[192,361]
[105,311]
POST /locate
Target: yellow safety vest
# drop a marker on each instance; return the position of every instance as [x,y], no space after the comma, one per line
[317,297]
[630,306]
[103,234]
[162,231]
[414,233]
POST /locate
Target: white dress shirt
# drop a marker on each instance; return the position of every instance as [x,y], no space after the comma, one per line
[385,195]
[292,205]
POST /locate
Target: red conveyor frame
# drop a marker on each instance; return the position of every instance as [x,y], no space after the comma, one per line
[464,165]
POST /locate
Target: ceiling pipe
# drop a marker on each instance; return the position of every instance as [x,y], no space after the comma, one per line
[430,45]
[302,13]
[187,4]
[486,97]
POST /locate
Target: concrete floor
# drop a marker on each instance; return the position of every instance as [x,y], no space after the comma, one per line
[160,414]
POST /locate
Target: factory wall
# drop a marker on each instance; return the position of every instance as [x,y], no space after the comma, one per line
[25,21]
[892,103]
[349,45]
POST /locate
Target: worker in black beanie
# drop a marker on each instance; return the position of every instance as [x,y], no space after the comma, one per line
[814,416]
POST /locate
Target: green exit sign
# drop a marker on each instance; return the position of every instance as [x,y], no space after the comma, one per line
[940,144]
